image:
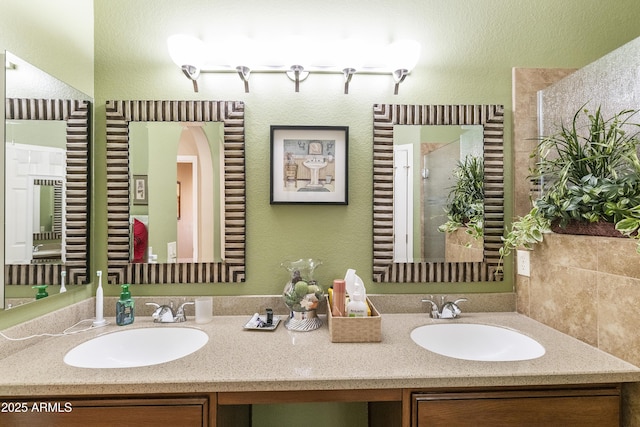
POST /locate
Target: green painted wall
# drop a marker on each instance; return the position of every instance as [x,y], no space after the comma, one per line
[468,51]
[116,50]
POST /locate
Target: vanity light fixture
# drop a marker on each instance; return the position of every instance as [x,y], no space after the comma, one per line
[403,57]
[348,73]
[192,72]
[243,72]
[297,74]
[345,57]
[188,53]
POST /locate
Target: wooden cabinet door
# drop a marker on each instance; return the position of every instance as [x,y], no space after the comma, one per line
[134,412]
[565,408]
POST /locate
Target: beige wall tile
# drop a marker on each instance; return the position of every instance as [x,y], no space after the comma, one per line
[568,251]
[619,256]
[565,299]
[618,302]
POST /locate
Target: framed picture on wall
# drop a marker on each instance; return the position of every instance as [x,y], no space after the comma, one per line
[140,191]
[309,164]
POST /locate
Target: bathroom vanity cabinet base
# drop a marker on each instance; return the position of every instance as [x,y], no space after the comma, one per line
[570,405]
[580,406]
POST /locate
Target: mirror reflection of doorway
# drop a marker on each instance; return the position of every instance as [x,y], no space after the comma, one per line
[187,174]
[189,154]
[197,235]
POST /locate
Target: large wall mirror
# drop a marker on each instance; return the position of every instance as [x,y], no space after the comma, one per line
[416,149]
[176,191]
[46,180]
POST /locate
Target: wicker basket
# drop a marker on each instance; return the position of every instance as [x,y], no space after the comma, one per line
[356,329]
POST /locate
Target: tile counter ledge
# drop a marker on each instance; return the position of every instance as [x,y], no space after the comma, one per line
[236,360]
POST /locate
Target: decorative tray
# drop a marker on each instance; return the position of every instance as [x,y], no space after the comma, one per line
[260,323]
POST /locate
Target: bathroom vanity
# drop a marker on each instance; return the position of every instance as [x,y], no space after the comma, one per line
[404,384]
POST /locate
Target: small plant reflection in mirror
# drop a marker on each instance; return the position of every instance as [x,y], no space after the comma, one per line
[465,202]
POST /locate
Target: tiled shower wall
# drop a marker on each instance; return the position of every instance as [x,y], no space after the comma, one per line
[586,287]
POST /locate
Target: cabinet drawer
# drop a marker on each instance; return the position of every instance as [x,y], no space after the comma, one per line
[597,407]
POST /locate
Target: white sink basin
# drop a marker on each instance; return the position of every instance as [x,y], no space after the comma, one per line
[471,341]
[136,347]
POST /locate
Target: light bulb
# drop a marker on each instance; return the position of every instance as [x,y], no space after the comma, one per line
[404,55]
[186,50]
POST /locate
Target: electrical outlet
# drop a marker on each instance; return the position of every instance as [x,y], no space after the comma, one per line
[171,252]
[523,263]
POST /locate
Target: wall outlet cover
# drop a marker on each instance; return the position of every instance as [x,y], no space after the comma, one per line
[171,251]
[523,263]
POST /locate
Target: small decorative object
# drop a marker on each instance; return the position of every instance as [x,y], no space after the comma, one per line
[302,294]
[309,164]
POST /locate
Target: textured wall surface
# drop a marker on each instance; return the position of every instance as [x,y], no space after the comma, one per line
[611,83]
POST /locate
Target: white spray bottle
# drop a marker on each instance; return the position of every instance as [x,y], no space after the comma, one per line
[99,304]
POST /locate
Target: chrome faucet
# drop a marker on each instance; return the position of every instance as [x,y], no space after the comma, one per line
[166,314]
[446,310]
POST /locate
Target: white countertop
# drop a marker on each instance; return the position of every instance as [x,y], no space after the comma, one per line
[235,359]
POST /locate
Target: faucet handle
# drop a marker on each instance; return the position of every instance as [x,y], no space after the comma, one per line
[157,306]
[180,315]
[156,311]
[434,308]
[450,310]
[163,313]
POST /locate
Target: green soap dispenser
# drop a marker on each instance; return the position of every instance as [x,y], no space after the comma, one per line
[124,307]
[42,291]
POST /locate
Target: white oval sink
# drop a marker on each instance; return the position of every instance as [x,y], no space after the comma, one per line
[470,341]
[136,347]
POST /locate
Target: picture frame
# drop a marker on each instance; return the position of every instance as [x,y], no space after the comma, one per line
[309,164]
[140,190]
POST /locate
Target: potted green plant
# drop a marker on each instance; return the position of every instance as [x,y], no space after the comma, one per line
[589,179]
[465,202]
